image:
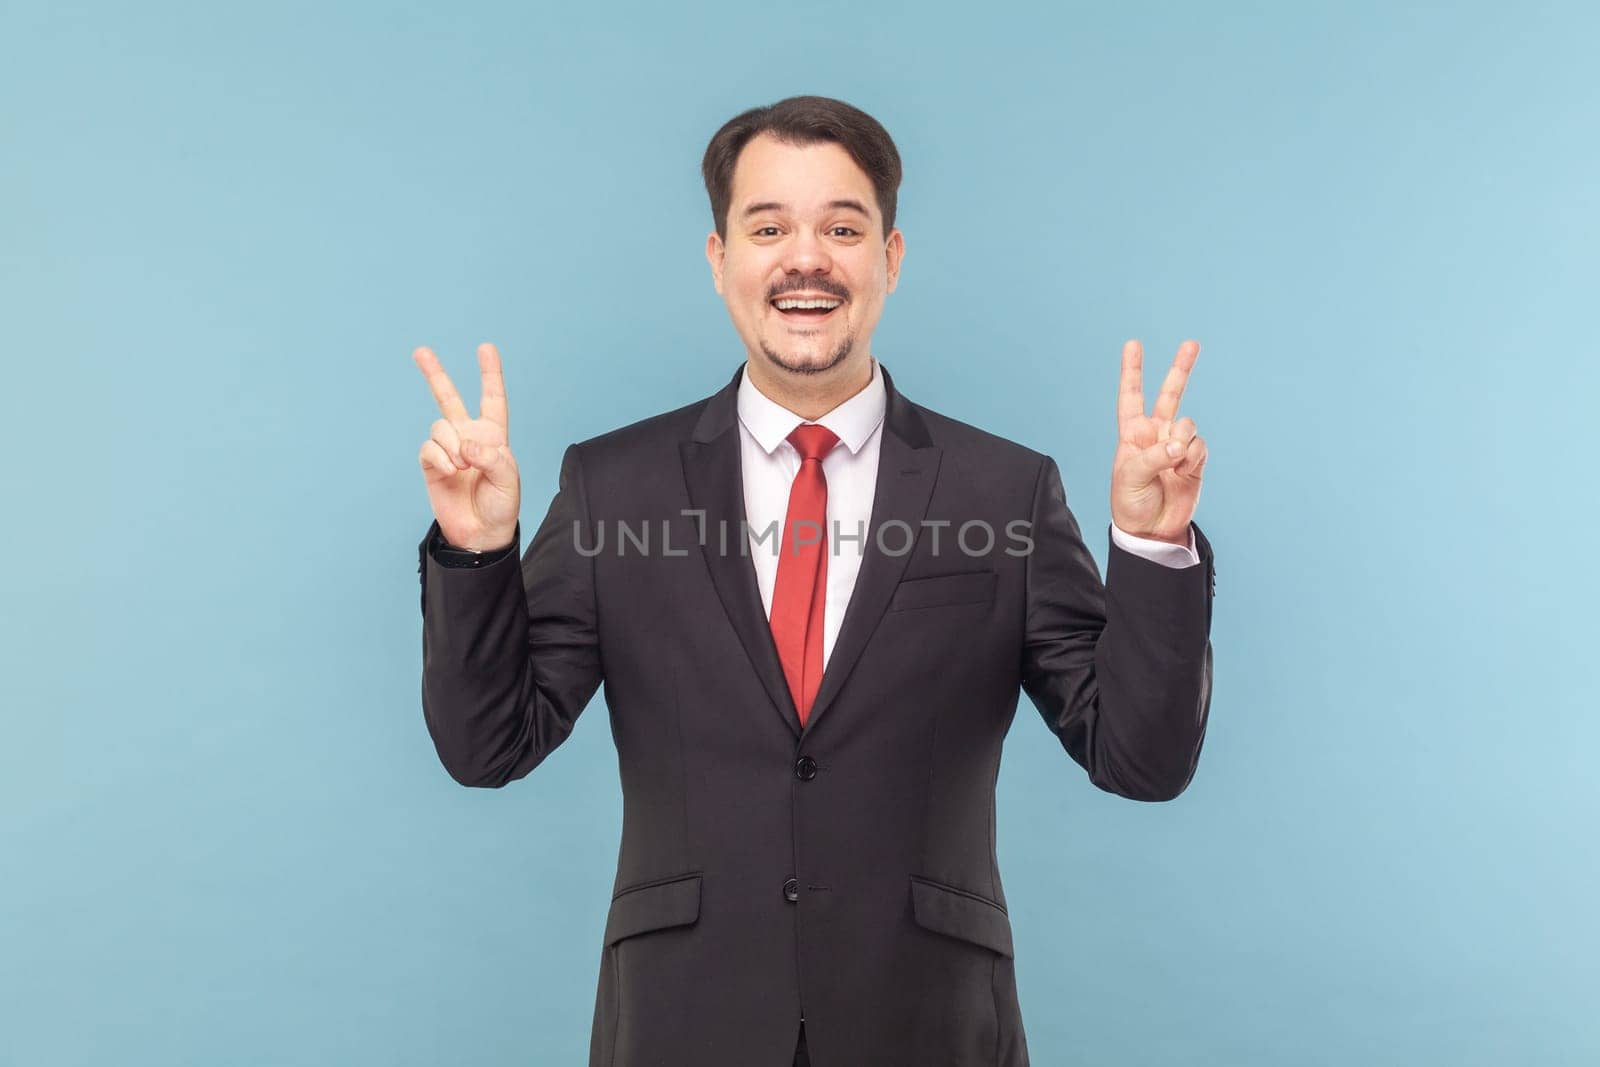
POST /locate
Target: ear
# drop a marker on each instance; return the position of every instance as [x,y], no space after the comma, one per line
[715,250]
[895,250]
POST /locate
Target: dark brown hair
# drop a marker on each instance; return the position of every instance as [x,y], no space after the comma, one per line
[804,120]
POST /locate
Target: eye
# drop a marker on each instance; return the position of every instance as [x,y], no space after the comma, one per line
[767,231]
[848,231]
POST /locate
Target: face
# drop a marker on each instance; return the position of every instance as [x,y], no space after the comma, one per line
[806,265]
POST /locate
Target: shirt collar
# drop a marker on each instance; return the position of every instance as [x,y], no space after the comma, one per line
[853,421]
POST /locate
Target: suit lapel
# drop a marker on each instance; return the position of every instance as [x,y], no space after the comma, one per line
[908,463]
[713,470]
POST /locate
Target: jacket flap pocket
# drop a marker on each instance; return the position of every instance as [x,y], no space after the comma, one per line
[656,906]
[964,588]
[957,913]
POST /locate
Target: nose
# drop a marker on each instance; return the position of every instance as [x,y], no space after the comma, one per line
[806,254]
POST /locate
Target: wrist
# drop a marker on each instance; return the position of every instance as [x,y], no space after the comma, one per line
[483,547]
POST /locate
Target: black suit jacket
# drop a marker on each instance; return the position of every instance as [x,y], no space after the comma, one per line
[845,871]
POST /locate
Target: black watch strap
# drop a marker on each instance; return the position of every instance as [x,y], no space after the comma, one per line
[449,555]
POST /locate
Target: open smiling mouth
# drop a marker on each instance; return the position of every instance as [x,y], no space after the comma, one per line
[806,309]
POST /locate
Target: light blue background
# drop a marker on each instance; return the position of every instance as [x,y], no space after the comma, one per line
[227,839]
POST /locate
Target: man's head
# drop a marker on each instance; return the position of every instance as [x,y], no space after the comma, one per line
[803,198]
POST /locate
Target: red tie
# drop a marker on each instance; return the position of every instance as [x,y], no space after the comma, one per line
[802,585]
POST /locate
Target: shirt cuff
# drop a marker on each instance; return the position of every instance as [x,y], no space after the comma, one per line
[1163,552]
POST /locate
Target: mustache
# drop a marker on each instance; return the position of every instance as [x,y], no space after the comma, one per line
[815,285]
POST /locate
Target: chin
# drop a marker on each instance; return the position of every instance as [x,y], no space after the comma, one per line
[809,361]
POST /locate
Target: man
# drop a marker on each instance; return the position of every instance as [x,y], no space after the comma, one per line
[813,604]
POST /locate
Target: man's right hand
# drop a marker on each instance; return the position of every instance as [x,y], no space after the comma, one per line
[472,478]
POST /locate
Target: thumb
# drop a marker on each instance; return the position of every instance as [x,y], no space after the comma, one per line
[494,461]
[1149,462]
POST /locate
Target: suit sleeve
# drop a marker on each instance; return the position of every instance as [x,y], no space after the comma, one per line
[511,652]
[1120,672]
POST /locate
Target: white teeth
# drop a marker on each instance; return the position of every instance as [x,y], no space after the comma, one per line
[790,305]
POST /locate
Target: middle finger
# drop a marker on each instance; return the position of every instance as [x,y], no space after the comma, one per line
[1172,388]
[444,390]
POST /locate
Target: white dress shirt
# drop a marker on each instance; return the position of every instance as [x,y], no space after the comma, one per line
[851,469]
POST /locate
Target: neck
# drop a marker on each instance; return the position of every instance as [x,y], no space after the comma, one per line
[810,396]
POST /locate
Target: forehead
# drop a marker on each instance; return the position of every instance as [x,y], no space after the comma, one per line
[805,177]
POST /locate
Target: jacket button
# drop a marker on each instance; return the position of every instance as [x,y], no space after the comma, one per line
[791,890]
[805,768]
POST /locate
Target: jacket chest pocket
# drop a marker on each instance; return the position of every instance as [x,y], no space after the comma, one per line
[968,587]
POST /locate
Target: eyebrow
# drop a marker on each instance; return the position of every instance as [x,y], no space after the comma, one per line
[773,205]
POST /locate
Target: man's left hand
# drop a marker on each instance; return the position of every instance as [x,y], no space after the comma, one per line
[1155,475]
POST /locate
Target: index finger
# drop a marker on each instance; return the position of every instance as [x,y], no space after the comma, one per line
[1130,393]
[444,391]
[493,405]
[1172,388]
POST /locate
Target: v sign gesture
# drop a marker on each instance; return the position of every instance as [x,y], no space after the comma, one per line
[1155,475]
[466,462]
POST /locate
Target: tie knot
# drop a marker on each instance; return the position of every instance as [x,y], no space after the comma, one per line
[813,441]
